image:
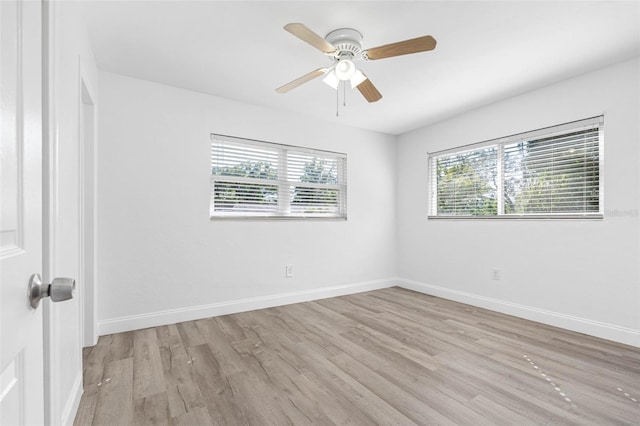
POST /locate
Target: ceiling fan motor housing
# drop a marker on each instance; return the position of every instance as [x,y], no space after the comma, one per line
[348,43]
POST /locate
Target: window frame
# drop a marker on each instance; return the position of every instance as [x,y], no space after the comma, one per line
[499,143]
[282,182]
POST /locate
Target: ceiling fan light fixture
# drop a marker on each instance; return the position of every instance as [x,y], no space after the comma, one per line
[344,46]
[345,69]
[332,80]
[357,78]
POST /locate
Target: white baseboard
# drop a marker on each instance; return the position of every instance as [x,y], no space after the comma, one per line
[154,319]
[612,332]
[607,331]
[71,407]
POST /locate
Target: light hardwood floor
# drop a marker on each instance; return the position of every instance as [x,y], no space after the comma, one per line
[390,356]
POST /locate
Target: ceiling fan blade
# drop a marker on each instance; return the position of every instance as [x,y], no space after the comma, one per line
[369,91]
[301,80]
[415,45]
[305,34]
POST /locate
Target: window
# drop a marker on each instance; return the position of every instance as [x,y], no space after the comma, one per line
[253,179]
[551,172]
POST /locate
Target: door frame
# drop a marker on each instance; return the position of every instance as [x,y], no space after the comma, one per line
[63,408]
[88,214]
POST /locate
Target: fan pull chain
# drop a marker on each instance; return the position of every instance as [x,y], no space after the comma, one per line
[337,103]
[344,93]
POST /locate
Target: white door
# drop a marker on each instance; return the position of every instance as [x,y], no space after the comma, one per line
[21,362]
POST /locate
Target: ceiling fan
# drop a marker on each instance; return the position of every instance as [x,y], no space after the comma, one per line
[344,47]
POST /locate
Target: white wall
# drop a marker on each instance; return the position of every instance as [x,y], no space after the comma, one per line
[71,60]
[583,274]
[162,260]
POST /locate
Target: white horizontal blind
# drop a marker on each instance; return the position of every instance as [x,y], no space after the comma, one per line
[243,178]
[316,183]
[266,180]
[467,183]
[548,172]
[557,174]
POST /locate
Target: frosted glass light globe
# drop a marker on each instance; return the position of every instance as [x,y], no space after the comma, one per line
[345,69]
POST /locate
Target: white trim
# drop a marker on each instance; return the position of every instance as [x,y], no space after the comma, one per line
[71,407]
[603,330]
[50,198]
[87,203]
[171,316]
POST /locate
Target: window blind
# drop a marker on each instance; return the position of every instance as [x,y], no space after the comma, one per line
[466,183]
[551,172]
[267,180]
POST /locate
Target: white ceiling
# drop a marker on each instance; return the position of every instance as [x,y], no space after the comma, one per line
[486,51]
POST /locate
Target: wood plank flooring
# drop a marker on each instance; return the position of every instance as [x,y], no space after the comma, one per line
[389,357]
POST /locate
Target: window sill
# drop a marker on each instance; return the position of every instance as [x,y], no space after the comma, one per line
[272,218]
[597,216]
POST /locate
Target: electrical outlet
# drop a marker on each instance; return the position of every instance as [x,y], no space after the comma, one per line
[495,274]
[288,271]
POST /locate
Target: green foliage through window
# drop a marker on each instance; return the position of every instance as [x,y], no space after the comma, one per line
[232,195]
[553,175]
[314,199]
[263,179]
[557,173]
[467,183]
